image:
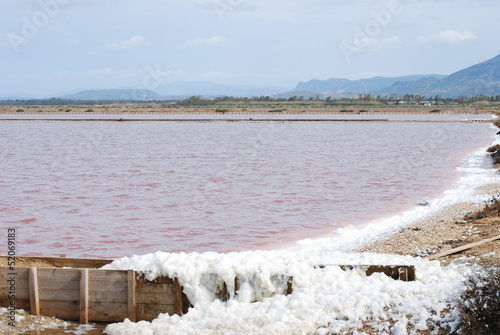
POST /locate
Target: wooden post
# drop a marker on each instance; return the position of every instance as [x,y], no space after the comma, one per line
[34,294]
[84,296]
[289,285]
[178,297]
[131,295]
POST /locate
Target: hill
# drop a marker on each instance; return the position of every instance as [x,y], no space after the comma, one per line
[115,94]
[479,79]
[186,88]
[339,85]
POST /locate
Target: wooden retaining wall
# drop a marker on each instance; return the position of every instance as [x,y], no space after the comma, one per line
[86,295]
[396,272]
[75,290]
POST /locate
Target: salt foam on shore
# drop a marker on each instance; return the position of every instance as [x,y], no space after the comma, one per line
[324,300]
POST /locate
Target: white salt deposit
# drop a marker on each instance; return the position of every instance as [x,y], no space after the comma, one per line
[327,300]
[324,300]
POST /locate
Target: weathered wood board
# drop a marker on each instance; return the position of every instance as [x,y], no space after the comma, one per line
[90,294]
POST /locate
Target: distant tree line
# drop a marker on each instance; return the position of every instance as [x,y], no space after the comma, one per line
[200,101]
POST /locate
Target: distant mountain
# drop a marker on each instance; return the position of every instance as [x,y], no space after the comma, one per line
[15,97]
[410,87]
[185,88]
[339,85]
[115,94]
[482,78]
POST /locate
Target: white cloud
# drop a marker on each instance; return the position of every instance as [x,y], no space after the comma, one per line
[212,41]
[72,41]
[448,37]
[134,42]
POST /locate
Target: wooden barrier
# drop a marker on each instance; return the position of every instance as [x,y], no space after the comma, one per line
[282,282]
[60,262]
[86,295]
[397,272]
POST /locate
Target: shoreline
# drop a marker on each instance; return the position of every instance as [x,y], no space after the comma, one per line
[444,231]
[441,231]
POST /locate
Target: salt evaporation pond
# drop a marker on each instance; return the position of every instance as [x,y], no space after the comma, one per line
[101,189]
[109,189]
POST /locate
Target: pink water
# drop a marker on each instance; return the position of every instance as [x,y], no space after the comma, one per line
[108,189]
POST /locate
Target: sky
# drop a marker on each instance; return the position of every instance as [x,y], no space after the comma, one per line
[54,47]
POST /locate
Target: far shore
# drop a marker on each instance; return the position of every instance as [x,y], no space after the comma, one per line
[124,109]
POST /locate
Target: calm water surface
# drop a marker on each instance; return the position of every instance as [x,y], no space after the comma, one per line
[108,189]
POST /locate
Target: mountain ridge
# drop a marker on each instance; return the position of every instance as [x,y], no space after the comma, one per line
[114,94]
[480,79]
[368,85]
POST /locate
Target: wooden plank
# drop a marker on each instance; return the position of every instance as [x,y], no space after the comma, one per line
[107,312]
[84,296]
[69,285]
[462,248]
[151,312]
[161,289]
[59,274]
[59,295]
[116,297]
[164,289]
[21,303]
[397,272]
[20,284]
[131,295]
[69,262]
[67,310]
[177,297]
[109,275]
[21,273]
[101,286]
[400,272]
[159,280]
[21,292]
[34,294]
[62,279]
[149,298]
